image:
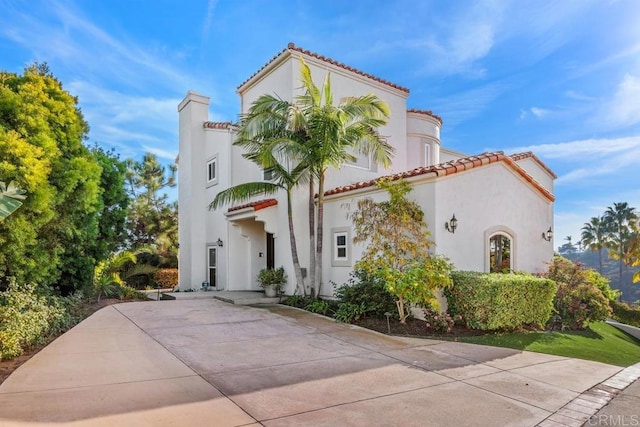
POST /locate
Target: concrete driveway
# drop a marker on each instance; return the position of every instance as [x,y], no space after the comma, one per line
[210,363]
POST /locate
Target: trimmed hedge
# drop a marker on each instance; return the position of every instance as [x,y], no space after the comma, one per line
[166,277]
[624,313]
[491,301]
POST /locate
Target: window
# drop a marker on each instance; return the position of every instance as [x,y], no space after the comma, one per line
[363,161]
[340,247]
[267,174]
[500,254]
[211,266]
[212,171]
[427,154]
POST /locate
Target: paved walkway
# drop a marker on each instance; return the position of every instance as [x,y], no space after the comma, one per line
[206,362]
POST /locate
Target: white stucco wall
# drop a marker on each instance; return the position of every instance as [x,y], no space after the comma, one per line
[537,172]
[193,111]
[488,199]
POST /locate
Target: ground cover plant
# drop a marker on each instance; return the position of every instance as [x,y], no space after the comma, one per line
[600,342]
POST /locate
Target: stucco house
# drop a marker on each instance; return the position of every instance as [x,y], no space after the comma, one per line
[498,200]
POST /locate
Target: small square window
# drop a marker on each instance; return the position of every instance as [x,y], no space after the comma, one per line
[267,174]
[212,171]
[341,246]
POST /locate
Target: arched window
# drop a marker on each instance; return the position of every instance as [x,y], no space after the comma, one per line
[500,253]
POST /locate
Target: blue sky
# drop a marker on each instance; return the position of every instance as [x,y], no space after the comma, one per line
[560,78]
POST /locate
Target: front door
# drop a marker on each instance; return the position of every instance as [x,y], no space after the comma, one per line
[212,267]
[271,246]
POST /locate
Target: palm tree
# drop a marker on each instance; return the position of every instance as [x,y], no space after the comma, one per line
[618,221]
[10,197]
[106,275]
[267,124]
[334,132]
[594,237]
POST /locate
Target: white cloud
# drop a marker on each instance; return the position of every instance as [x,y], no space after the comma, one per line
[458,107]
[582,149]
[163,154]
[540,112]
[624,108]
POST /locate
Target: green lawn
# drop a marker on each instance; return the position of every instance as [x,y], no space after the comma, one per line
[601,342]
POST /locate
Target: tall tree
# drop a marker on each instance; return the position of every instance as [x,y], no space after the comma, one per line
[114,203]
[398,246]
[151,218]
[42,131]
[594,234]
[334,133]
[264,127]
[618,220]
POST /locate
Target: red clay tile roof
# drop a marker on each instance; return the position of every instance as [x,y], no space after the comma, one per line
[257,205]
[293,47]
[529,154]
[449,168]
[426,113]
[217,125]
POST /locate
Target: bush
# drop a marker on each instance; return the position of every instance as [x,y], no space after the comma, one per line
[318,306]
[298,301]
[166,277]
[438,322]
[25,318]
[370,292]
[579,298]
[624,313]
[490,301]
[128,293]
[348,312]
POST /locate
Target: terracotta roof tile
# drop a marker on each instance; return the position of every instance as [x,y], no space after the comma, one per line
[529,154]
[450,168]
[426,113]
[217,125]
[293,47]
[257,205]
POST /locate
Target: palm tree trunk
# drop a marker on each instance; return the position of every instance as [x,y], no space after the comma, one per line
[319,235]
[294,247]
[600,260]
[312,240]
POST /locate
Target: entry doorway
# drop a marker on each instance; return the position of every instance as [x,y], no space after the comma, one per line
[271,247]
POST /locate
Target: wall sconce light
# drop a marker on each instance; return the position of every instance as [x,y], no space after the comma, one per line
[219,242]
[452,224]
[548,235]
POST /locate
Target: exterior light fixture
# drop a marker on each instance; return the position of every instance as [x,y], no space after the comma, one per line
[219,242]
[452,224]
[548,235]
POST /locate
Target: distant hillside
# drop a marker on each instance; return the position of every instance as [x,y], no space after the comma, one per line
[630,291]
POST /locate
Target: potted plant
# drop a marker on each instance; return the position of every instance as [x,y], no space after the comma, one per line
[272,280]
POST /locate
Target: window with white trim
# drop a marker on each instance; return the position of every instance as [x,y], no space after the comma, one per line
[212,171]
[427,154]
[340,247]
[267,174]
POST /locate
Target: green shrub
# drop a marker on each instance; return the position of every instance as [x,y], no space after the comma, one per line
[166,277]
[438,322]
[298,301]
[318,306]
[348,312]
[25,318]
[364,290]
[579,298]
[491,301]
[128,293]
[624,313]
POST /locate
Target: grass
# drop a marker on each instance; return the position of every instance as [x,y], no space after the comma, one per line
[600,342]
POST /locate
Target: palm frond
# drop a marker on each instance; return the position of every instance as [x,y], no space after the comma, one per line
[243,192]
